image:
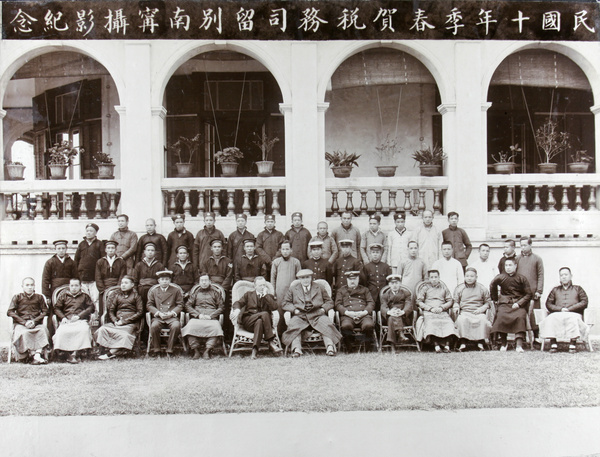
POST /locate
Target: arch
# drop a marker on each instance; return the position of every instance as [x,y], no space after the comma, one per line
[185,53]
[588,68]
[420,53]
[40,48]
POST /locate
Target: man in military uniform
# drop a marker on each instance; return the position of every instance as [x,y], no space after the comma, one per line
[320,267]
[346,262]
[376,272]
[165,303]
[355,305]
[144,273]
[110,270]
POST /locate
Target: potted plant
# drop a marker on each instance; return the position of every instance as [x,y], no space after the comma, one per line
[266,145]
[430,160]
[580,162]
[387,152]
[228,159]
[61,156]
[552,143]
[105,165]
[15,170]
[505,163]
[185,167]
[341,163]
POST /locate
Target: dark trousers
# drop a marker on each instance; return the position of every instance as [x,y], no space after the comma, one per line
[365,324]
[155,328]
[261,324]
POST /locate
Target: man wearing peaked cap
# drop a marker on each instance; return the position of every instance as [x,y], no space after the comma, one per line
[268,242]
[345,262]
[372,236]
[320,266]
[204,238]
[235,242]
[396,309]
[299,237]
[375,272]
[397,243]
[89,251]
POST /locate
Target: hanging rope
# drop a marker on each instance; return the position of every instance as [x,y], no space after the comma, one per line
[237,127]
[379,106]
[212,107]
[398,112]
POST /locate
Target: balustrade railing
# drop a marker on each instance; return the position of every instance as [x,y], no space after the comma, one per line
[54,200]
[522,193]
[224,196]
[386,196]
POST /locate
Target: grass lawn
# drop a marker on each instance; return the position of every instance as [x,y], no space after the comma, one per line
[311,383]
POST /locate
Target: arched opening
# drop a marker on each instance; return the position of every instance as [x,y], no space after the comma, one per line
[63,96]
[381,95]
[223,99]
[535,93]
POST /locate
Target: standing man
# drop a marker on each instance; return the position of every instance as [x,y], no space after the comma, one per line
[204,238]
[218,267]
[109,271]
[346,231]
[320,267]
[376,272]
[28,310]
[146,270]
[486,269]
[429,239]
[450,270]
[511,304]
[329,248]
[235,243]
[185,273]
[58,271]
[179,237]
[398,241]
[89,251]
[268,242]
[373,236]
[345,263]
[459,239]
[299,237]
[509,253]
[250,265]
[414,270]
[165,303]
[126,242]
[152,237]
[283,273]
[531,266]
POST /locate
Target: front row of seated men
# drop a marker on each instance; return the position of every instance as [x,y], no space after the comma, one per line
[257,312]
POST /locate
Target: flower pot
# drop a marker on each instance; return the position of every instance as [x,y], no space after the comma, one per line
[504,168]
[265,168]
[431,170]
[578,167]
[15,172]
[185,170]
[386,171]
[106,171]
[342,172]
[58,171]
[229,169]
[547,167]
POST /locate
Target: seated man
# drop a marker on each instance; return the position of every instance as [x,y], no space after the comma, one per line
[165,302]
[396,309]
[125,311]
[472,300]
[511,311]
[565,304]
[73,309]
[205,306]
[309,304]
[254,312]
[435,301]
[355,305]
[30,335]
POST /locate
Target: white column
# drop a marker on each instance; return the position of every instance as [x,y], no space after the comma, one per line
[4,156]
[596,111]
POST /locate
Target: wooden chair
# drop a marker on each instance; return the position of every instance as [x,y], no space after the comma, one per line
[357,333]
[311,339]
[11,331]
[407,331]
[541,314]
[221,290]
[243,339]
[164,332]
[106,296]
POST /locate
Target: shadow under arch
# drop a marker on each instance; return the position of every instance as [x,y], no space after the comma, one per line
[421,54]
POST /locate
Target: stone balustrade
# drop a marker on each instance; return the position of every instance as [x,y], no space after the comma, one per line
[225,196]
[58,200]
[386,196]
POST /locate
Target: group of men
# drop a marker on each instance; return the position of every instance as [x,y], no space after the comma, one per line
[396,273]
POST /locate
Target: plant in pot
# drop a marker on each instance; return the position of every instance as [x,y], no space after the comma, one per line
[266,145]
[228,158]
[185,149]
[387,151]
[552,142]
[505,162]
[580,162]
[430,160]
[61,155]
[105,165]
[341,163]
[15,170]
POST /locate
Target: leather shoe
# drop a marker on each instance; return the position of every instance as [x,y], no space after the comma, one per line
[72,360]
[274,347]
[254,354]
[196,355]
[296,354]
[206,354]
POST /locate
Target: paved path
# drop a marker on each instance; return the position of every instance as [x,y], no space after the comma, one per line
[484,432]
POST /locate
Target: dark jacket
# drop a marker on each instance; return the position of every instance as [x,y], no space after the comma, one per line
[184,277]
[202,242]
[208,302]
[251,303]
[57,273]
[573,298]
[107,276]
[23,308]
[299,240]
[176,239]
[86,257]
[220,270]
[161,247]
[125,306]
[357,299]
[267,244]
[68,305]
[249,269]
